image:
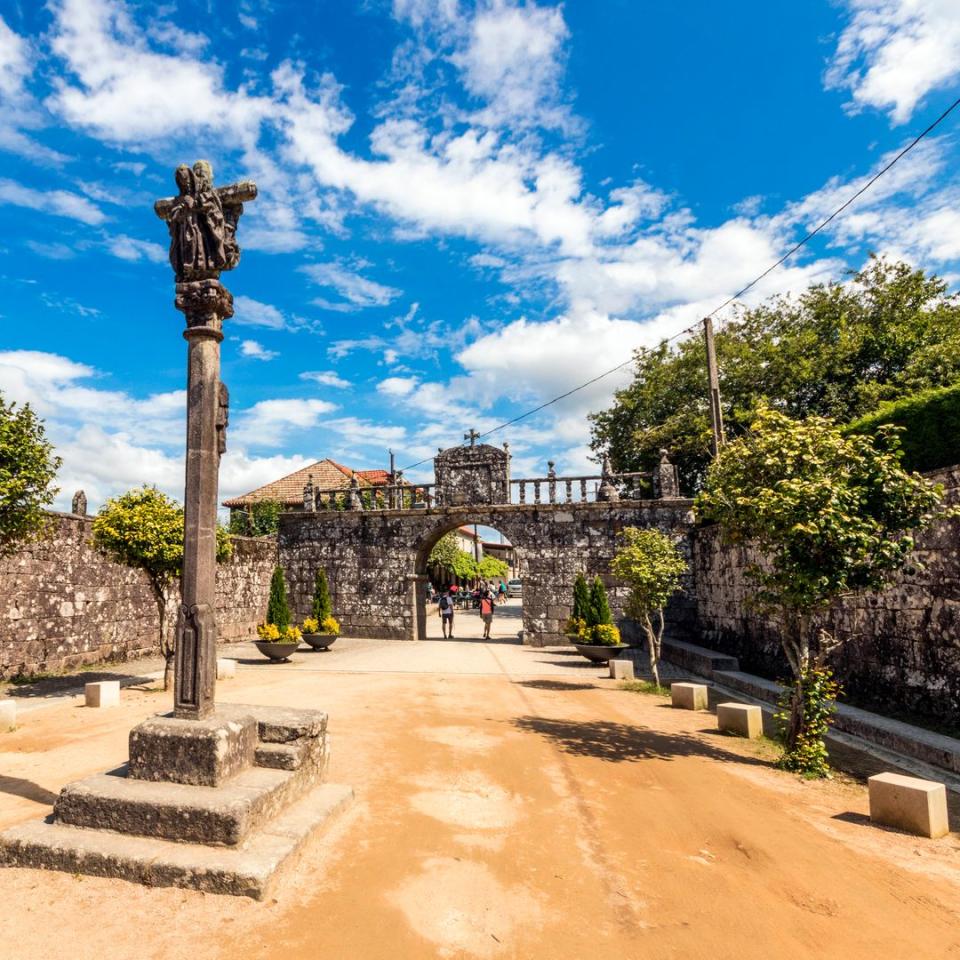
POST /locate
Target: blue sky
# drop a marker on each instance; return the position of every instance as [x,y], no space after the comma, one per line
[465,208]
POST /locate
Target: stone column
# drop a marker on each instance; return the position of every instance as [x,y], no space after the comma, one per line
[205,304]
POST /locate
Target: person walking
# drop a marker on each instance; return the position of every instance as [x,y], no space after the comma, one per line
[445,606]
[502,590]
[486,612]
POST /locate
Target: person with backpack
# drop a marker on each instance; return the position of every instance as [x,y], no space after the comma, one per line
[445,607]
[486,612]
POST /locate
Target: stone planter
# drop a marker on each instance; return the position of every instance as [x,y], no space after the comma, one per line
[320,641]
[276,651]
[600,653]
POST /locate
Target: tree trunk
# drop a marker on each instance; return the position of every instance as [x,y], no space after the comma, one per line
[796,646]
[654,645]
[167,649]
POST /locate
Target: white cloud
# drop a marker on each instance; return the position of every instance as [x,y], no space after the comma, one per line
[268,423]
[357,292]
[397,386]
[326,378]
[254,313]
[363,433]
[895,52]
[59,203]
[256,351]
[129,248]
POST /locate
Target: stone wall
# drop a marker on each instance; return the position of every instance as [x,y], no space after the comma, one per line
[904,651]
[64,603]
[376,560]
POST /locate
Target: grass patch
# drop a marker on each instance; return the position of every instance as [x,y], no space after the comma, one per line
[644,686]
[22,679]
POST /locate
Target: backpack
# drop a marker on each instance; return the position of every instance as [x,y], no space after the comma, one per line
[445,603]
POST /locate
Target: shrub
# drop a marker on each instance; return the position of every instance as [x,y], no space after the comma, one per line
[598,611]
[310,625]
[606,634]
[274,634]
[930,425]
[278,612]
[581,598]
[577,630]
[322,606]
[330,626]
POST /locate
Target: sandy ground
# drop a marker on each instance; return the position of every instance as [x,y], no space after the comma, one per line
[511,803]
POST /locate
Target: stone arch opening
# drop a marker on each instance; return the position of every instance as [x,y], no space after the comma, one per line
[425,614]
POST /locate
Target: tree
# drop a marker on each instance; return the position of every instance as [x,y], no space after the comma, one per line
[322,607]
[830,514]
[838,350]
[598,609]
[650,563]
[261,520]
[144,528]
[27,471]
[492,568]
[581,598]
[278,610]
[443,553]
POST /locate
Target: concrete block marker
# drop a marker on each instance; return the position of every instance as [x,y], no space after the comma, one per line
[226,669]
[105,693]
[742,719]
[8,715]
[689,696]
[622,670]
[910,804]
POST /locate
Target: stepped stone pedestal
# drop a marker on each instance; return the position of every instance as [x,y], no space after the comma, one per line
[214,805]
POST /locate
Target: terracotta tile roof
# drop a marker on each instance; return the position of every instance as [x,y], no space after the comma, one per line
[327,475]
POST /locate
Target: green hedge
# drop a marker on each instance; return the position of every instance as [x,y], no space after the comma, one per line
[931,426]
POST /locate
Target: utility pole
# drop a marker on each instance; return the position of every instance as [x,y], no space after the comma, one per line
[713,379]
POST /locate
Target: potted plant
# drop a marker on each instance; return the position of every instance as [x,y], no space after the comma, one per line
[278,638]
[591,628]
[321,635]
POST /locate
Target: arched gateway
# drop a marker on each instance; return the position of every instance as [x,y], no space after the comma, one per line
[375,552]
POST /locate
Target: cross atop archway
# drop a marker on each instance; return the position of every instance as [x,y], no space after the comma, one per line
[472,436]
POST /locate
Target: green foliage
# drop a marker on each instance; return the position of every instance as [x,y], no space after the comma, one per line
[838,351]
[605,634]
[322,606]
[27,471]
[930,422]
[577,630]
[278,611]
[464,566]
[598,610]
[803,721]
[581,598]
[651,565]
[492,568]
[644,686]
[261,520]
[444,551]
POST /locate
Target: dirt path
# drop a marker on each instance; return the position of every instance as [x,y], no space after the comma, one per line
[515,814]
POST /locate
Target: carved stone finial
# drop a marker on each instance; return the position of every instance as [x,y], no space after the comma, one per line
[309,500]
[551,469]
[472,436]
[79,505]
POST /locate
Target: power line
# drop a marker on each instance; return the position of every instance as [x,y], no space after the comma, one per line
[523,416]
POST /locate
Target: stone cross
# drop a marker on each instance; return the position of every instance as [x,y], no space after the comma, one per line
[472,436]
[202,221]
[79,505]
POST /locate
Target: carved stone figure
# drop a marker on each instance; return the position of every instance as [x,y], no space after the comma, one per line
[223,418]
[79,506]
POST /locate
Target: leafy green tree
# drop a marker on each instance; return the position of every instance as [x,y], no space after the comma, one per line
[443,552]
[650,563]
[261,520]
[598,609]
[322,606]
[492,568]
[830,514]
[27,471]
[144,528]
[838,350]
[581,598]
[278,610]
[464,567]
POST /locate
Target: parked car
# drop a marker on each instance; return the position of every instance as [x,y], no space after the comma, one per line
[514,588]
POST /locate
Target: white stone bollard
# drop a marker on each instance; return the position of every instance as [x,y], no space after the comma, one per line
[8,715]
[622,670]
[689,696]
[909,803]
[226,669]
[742,719]
[106,693]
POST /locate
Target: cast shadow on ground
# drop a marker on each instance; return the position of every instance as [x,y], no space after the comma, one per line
[56,686]
[27,789]
[622,743]
[555,685]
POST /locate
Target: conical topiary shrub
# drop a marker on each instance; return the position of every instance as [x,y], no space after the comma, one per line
[581,598]
[599,609]
[278,612]
[322,607]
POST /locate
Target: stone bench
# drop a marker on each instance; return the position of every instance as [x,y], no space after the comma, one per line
[743,719]
[104,693]
[689,696]
[910,804]
[622,670]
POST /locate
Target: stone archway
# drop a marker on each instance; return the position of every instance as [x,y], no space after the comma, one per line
[426,544]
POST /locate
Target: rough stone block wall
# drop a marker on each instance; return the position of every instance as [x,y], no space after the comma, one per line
[904,647]
[64,603]
[373,559]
